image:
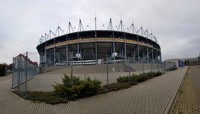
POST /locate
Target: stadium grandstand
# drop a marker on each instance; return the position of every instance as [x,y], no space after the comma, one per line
[98,46]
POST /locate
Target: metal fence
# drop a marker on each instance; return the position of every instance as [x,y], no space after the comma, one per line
[23,70]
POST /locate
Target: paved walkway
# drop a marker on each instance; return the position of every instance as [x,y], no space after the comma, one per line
[43,82]
[188,101]
[194,73]
[149,97]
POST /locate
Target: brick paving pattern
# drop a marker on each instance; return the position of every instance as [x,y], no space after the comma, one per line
[43,82]
[149,97]
[188,101]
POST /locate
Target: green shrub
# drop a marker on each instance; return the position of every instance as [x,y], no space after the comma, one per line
[149,75]
[123,79]
[158,73]
[141,78]
[48,97]
[116,86]
[133,78]
[90,87]
[61,90]
[73,87]
[69,81]
[2,69]
[138,78]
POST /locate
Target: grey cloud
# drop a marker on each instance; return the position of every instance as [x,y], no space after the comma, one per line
[175,23]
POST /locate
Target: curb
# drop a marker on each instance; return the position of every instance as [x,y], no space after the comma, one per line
[173,99]
[12,90]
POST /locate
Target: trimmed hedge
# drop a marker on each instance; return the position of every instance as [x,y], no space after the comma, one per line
[138,78]
[48,97]
[114,87]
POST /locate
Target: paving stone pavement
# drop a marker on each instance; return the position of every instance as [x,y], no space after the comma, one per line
[44,82]
[149,97]
[188,100]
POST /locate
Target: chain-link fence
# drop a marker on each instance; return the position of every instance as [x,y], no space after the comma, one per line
[23,70]
[107,72]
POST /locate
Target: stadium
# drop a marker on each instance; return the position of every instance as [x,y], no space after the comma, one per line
[94,47]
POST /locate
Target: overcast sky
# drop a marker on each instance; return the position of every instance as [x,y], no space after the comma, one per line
[175,23]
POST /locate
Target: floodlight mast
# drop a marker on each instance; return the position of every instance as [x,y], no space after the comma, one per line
[148,37]
[131,29]
[95,19]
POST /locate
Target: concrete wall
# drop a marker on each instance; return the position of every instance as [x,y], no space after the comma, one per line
[103,68]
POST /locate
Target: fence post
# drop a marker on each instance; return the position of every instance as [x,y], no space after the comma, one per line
[5,70]
[18,74]
[26,69]
[71,73]
[129,70]
[142,66]
[107,71]
[13,67]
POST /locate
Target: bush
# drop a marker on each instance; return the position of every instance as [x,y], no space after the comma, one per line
[123,79]
[116,86]
[2,69]
[73,87]
[158,73]
[141,78]
[48,97]
[138,78]
[90,87]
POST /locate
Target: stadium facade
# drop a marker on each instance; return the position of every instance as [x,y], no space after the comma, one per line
[84,47]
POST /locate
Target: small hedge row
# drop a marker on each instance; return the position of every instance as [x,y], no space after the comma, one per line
[138,78]
[47,97]
[116,86]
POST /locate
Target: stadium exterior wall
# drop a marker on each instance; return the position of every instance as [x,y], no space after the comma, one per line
[97,47]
